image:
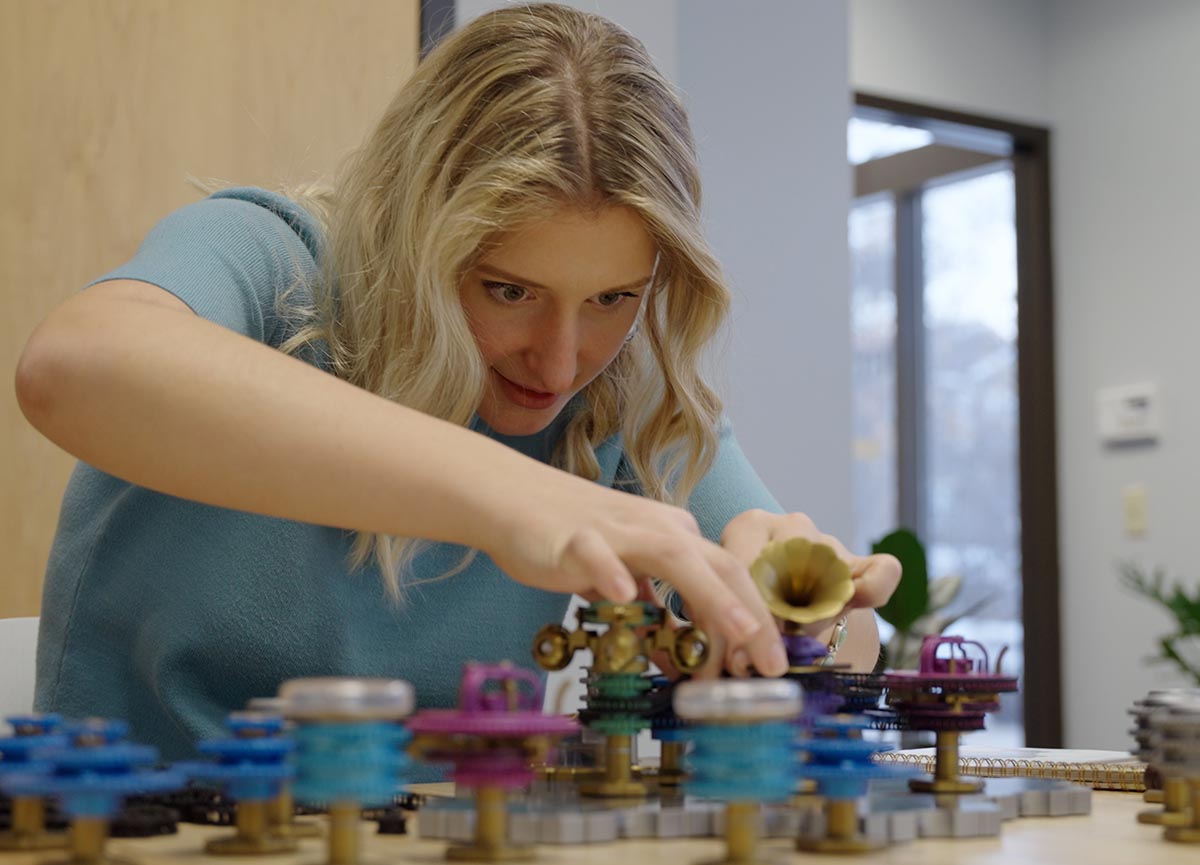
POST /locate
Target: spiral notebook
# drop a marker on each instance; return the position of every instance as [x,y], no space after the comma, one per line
[1101,770]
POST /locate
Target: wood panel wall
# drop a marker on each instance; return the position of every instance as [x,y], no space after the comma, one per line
[105,108]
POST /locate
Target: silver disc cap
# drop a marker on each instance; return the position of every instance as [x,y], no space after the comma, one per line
[347,699]
[738,700]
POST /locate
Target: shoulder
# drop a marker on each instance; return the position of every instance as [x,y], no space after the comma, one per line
[239,229]
[269,209]
[233,258]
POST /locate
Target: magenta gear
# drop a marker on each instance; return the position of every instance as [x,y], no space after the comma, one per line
[945,693]
[492,737]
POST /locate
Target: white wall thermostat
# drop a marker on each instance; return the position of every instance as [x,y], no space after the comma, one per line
[1129,414]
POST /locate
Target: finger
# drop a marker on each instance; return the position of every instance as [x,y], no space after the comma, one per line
[795,525]
[598,568]
[875,579]
[684,564]
[764,648]
[653,592]
[738,663]
[745,536]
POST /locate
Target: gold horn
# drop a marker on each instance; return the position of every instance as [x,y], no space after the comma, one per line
[802,582]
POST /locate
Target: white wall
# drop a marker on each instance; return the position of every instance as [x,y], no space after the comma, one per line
[766,86]
[652,22]
[1127,189]
[767,90]
[1116,83]
[981,56]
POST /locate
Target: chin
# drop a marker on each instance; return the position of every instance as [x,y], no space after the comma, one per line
[518,422]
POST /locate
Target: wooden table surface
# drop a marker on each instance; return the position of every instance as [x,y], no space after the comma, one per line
[1109,834]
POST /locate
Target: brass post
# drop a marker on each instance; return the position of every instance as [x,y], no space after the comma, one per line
[27,830]
[618,781]
[491,818]
[88,835]
[1175,793]
[670,768]
[1176,807]
[1190,833]
[282,807]
[251,819]
[281,818]
[617,759]
[28,815]
[343,833]
[946,768]
[741,831]
[841,819]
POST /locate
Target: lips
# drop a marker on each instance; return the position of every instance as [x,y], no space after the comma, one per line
[523,396]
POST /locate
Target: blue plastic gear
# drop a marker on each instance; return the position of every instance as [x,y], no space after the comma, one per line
[743,762]
[246,770]
[361,762]
[665,725]
[842,765]
[91,780]
[35,724]
[28,754]
[242,724]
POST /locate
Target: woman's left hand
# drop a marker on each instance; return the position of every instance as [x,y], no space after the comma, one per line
[875,576]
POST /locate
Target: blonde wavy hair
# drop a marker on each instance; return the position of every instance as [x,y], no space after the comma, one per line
[520,112]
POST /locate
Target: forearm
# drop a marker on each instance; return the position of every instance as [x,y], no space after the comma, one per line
[167,400]
[860,649]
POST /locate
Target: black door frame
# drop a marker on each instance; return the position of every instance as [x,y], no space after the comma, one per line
[1037,441]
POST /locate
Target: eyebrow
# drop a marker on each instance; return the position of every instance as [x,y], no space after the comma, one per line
[520,280]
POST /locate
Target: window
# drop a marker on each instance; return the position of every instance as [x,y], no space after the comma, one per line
[948,237]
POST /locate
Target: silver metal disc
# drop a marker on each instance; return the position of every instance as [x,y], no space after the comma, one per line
[738,700]
[334,698]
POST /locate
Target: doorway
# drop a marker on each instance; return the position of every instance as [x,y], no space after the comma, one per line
[954,377]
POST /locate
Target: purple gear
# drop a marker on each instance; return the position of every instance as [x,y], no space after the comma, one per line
[803,650]
[927,697]
[806,656]
[485,737]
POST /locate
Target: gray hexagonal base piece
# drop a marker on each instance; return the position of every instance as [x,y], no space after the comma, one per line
[448,820]
[1038,797]
[891,815]
[902,818]
[774,821]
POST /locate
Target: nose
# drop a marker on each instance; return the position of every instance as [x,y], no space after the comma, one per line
[553,355]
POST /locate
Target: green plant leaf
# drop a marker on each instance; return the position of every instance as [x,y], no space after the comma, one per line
[1185,609]
[911,599]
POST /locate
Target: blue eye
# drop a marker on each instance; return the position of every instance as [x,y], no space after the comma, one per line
[615,298]
[504,291]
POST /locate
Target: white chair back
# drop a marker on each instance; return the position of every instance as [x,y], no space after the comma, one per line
[18,654]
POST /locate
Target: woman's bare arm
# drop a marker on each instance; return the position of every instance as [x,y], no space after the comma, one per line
[127,378]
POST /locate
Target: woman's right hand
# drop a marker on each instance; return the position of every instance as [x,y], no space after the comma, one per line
[102,378]
[571,535]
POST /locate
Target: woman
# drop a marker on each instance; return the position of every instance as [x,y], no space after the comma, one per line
[485,336]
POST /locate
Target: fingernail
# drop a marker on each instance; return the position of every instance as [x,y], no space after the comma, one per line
[745,622]
[778,660]
[739,662]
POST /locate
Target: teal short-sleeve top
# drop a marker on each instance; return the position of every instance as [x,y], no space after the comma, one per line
[170,614]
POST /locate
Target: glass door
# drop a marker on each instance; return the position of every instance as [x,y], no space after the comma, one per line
[933,242]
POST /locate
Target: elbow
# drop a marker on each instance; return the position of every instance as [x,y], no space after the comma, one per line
[38,378]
